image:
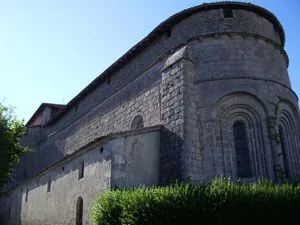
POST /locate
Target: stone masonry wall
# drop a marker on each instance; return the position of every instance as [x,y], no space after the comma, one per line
[198,24]
[195,80]
[141,97]
[58,206]
[121,160]
[172,116]
[238,77]
[202,23]
[134,88]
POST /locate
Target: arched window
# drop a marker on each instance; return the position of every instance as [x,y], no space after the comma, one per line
[79,211]
[137,122]
[241,149]
[283,149]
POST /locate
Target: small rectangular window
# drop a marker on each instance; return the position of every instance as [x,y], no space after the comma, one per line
[168,33]
[227,13]
[81,170]
[9,212]
[108,80]
[49,185]
[26,195]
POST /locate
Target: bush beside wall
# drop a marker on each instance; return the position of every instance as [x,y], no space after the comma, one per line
[221,202]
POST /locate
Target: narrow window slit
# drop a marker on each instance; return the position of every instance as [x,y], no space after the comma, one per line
[101,149]
[49,185]
[81,170]
[227,13]
[26,195]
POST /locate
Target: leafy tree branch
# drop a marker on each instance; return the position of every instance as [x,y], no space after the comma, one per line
[11,131]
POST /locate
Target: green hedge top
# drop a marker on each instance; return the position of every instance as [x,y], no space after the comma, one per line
[221,202]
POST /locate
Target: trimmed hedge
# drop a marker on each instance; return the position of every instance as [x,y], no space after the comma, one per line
[221,202]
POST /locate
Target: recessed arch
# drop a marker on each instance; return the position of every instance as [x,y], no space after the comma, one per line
[288,129]
[229,112]
[287,105]
[239,98]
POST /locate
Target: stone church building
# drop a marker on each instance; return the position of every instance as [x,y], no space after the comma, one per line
[205,94]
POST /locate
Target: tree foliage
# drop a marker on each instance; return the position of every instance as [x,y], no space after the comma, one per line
[11,130]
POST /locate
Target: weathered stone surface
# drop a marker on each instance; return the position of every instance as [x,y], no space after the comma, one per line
[187,86]
[122,160]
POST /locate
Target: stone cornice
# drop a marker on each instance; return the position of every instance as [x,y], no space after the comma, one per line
[245,78]
[245,35]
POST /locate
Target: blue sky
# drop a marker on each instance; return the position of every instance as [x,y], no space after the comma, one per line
[50,50]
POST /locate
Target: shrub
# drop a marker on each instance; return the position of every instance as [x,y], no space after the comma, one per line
[221,202]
